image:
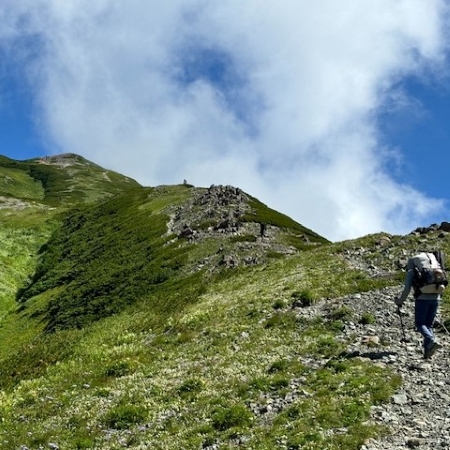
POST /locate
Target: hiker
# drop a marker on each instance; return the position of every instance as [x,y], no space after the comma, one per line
[427,296]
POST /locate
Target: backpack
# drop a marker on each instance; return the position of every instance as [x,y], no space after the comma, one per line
[429,273]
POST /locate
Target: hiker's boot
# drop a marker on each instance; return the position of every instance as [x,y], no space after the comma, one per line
[430,349]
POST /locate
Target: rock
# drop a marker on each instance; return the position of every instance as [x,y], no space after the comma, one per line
[371,340]
[384,241]
[400,399]
[229,261]
[414,442]
[445,226]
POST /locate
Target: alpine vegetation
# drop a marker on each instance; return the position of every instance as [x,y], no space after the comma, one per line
[199,318]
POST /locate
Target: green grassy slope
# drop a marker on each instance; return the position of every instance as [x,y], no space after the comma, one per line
[128,334]
[29,192]
[22,233]
[19,184]
[263,214]
[187,377]
[31,209]
[56,180]
[110,255]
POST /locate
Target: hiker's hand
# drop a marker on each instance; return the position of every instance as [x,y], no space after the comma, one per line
[398,302]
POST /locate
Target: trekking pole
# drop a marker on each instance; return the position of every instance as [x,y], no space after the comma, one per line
[401,324]
[442,324]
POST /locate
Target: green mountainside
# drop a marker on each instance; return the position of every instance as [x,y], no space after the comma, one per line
[56,180]
[158,317]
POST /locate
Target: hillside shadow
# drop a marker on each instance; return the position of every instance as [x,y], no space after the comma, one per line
[372,355]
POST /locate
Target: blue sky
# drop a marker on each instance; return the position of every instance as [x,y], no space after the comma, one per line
[335,113]
[423,134]
[19,135]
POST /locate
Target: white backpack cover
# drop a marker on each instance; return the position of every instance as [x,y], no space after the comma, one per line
[429,276]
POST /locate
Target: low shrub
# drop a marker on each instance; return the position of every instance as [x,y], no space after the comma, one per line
[125,415]
[343,313]
[231,416]
[281,319]
[303,298]
[190,387]
[367,319]
[278,304]
[118,369]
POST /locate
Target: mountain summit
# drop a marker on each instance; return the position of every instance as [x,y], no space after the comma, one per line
[61,179]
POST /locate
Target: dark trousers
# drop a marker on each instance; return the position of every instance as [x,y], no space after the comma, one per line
[425,313]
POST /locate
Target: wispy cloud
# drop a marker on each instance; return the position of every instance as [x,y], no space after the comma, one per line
[280,99]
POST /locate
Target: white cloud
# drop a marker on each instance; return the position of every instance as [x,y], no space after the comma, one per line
[279,99]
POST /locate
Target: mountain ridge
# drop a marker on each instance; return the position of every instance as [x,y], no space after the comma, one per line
[80,179]
[184,317]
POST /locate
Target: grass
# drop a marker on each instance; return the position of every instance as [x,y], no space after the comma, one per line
[138,369]
[21,235]
[303,298]
[19,184]
[263,214]
[44,180]
[122,339]
[99,273]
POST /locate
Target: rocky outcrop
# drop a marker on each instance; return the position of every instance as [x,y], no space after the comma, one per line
[217,209]
[218,212]
[382,254]
[62,160]
[444,226]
